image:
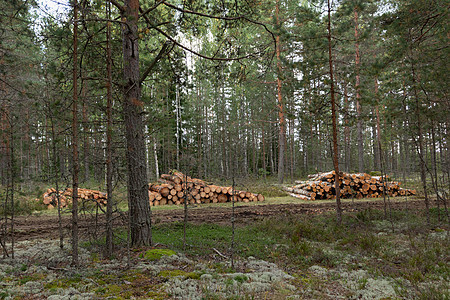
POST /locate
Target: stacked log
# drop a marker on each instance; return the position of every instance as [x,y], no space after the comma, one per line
[360,185]
[174,188]
[51,200]
[171,189]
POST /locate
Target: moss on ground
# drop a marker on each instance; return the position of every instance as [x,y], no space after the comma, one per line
[155,254]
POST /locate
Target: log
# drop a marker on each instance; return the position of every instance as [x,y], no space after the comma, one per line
[300,196]
[222,198]
[163,189]
[174,179]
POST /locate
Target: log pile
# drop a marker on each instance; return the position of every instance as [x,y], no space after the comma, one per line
[361,185]
[51,199]
[173,188]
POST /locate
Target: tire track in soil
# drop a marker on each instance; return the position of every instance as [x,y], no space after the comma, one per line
[45,227]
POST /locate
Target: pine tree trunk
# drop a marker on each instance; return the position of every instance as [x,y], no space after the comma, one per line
[139,207]
[346,131]
[75,166]
[333,116]
[85,132]
[377,131]
[359,124]
[281,118]
[109,169]
[263,142]
[420,141]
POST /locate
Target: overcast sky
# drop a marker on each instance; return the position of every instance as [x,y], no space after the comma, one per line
[52,7]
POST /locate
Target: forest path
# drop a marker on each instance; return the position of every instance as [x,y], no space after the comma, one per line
[46,226]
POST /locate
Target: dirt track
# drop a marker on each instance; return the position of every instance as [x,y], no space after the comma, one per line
[45,226]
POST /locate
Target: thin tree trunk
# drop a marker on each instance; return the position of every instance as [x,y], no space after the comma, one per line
[346,131]
[109,166]
[359,124]
[420,143]
[281,119]
[178,115]
[155,155]
[75,166]
[333,116]
[377,130]
[291,148]
[85,132]
[206,141]
[263,141]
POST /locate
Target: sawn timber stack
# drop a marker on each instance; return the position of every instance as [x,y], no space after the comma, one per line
[360,185]
[175,187]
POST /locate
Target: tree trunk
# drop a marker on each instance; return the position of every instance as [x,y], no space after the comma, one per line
[346,131]
[139,207]
[109,169]
[85,132]
[291,148]
[75,167]
[358,97]
[263,142]
[155,155]
[333,116]
[377,131]
[281,119]
[178,129]
[420,142]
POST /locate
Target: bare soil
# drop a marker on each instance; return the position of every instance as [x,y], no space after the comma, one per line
[46,226]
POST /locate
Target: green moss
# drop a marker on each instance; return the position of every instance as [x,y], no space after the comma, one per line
[113,289]
[172,273]
[221,268]
[240,278]
[193,275]
[157,295]
[175,273]
[64,283]
[33,277]
[155,254]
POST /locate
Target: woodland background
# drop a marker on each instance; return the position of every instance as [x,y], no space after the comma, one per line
[226,90]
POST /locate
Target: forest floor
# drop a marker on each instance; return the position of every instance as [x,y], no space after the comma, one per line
[41,225]
[293,250]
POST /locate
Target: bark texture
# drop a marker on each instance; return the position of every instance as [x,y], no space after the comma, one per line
[139,208]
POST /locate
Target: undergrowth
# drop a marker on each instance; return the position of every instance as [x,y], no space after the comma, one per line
[413,251]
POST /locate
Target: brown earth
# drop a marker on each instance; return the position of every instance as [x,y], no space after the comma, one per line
[46,226]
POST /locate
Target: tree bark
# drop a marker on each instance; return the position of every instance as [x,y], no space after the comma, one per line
[333,116]
[85,132]
[139,207]
[75,166]
[359,124]
[109,203]
[281,119]
[346,131]
[377,130]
